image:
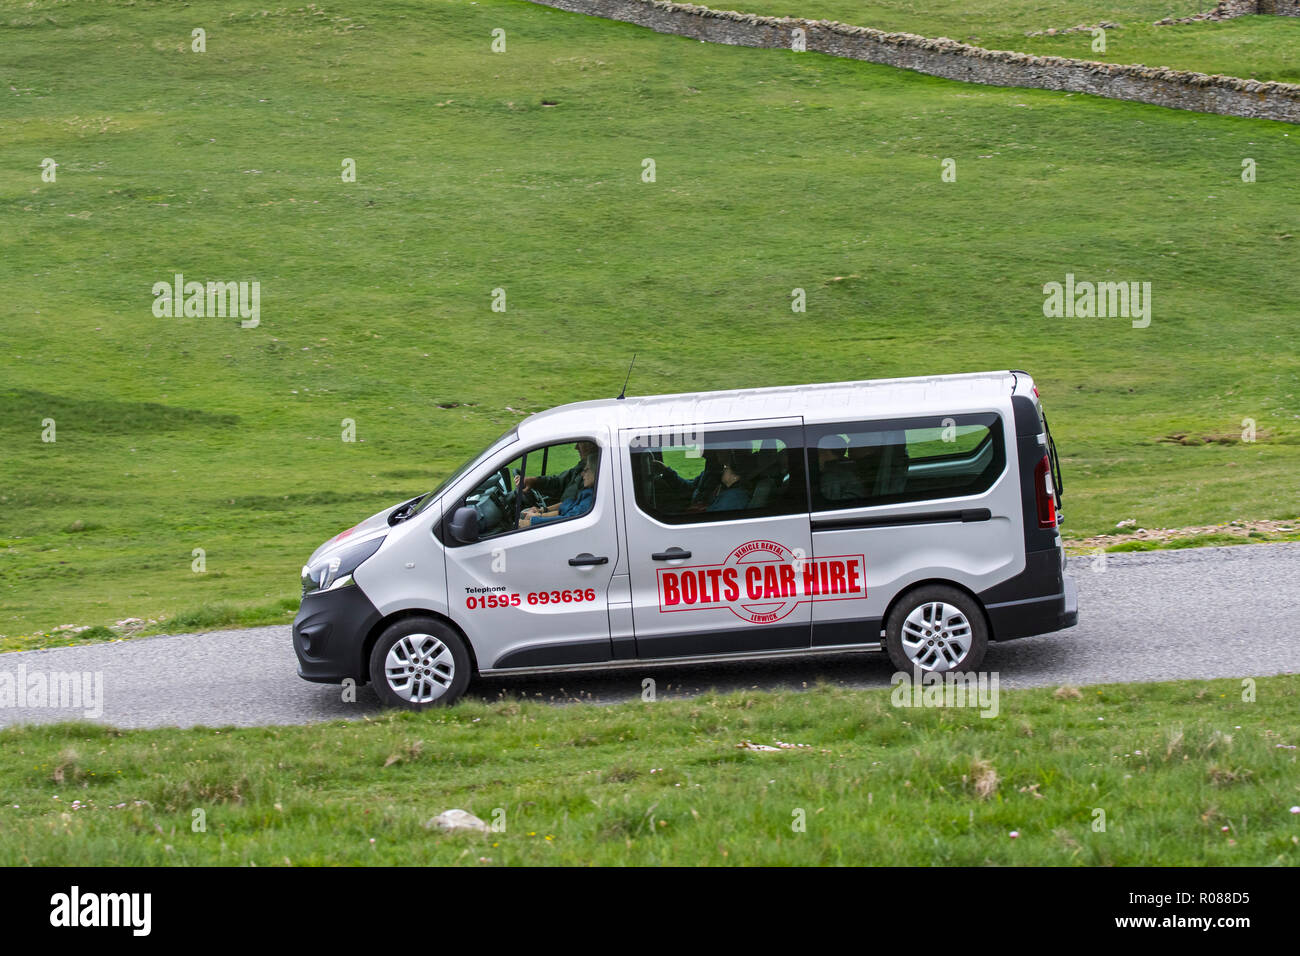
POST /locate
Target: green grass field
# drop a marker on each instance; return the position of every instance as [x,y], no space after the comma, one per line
[1256,47]
[774,171]
[1181,773]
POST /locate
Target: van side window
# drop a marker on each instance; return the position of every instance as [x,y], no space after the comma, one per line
[856,465]
[719,475]
[543,486]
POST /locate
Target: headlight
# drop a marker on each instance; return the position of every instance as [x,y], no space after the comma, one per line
[334,572]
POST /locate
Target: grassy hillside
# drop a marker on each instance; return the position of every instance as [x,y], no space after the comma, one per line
[775,171]
[1182,773]
[1259,47]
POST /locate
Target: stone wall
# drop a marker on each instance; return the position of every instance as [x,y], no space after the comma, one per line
[1231,9]
[1238,8]
[1179,89]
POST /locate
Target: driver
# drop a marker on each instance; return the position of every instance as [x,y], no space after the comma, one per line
[562,487]
[571,507]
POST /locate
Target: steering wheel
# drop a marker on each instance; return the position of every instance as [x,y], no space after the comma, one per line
[505,501]
[494,507]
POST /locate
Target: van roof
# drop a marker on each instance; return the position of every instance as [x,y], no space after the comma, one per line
[869,398]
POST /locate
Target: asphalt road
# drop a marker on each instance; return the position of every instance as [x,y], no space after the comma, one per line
[1201,613]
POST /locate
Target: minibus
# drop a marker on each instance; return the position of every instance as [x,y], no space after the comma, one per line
[914,516]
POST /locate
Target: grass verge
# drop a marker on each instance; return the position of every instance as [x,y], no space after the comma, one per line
[1182,773]
[209,617]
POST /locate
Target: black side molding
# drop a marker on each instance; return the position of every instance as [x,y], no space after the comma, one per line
[556,655]
[878,521]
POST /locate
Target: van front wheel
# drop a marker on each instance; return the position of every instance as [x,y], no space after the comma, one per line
[419,662]
[936,628]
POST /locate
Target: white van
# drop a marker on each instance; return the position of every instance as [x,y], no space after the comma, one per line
[917,515]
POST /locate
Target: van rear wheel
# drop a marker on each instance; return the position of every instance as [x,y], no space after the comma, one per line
[419,662]
[936,628]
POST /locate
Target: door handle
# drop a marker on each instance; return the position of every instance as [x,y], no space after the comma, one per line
[586,560]
[672,554]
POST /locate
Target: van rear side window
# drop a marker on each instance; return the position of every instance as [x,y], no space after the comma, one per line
[719,475]
[857,465]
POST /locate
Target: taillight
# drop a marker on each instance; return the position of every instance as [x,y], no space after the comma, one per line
[1046,494]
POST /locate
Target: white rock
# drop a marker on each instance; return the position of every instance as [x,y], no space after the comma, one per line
[457,820]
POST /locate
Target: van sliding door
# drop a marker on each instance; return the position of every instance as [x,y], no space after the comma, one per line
[718,538]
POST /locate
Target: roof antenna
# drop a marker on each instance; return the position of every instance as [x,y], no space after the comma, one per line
[623,394]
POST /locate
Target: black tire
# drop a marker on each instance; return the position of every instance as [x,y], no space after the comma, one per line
[429,637]
[937,650]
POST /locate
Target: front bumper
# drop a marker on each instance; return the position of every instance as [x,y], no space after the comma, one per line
[329,635]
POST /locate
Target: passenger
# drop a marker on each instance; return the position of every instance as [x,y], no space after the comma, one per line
[866,460]
[697,491]
[766,473]
[783,463]
[562,487]
[552,510]
[839,479]
[571,507]
[732,493]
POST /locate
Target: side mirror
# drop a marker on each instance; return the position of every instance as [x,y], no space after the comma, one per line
[463,527]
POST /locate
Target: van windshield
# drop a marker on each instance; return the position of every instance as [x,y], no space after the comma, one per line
[424,501]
